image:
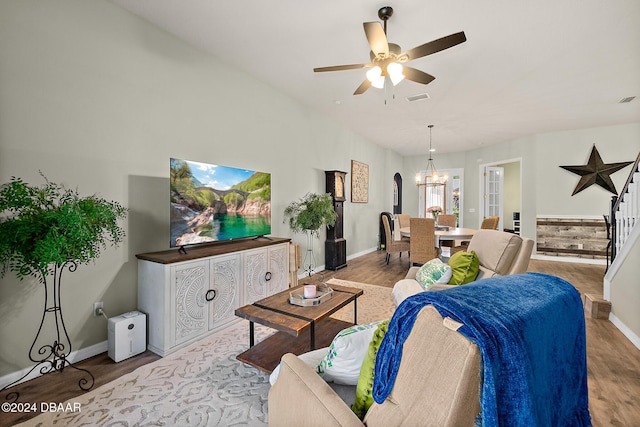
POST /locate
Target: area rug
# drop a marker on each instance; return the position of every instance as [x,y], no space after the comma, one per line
[200,385]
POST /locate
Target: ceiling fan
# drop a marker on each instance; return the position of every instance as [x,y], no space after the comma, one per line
[387,58]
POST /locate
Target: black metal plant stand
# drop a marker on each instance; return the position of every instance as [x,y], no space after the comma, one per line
[309,262]
[50,358]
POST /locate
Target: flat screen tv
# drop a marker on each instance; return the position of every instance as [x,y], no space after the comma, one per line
[212,203]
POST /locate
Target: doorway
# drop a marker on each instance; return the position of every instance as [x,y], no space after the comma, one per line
[501,192]
[397,194]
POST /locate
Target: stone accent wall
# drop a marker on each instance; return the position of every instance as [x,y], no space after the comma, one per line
[571,237]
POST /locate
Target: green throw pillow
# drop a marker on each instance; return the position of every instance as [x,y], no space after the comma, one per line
[465,267]
[364,390]
[434,271]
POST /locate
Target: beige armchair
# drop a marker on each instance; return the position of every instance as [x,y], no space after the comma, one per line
[393,246]
[499,254]
[438,384]
[435,376]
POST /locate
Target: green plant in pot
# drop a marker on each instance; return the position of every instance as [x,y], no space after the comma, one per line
[43,231]
[309,214]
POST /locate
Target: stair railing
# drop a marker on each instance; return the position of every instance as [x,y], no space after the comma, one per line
[625,210]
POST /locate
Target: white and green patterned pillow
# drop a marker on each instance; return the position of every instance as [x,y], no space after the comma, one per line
[343,361]
[434,271]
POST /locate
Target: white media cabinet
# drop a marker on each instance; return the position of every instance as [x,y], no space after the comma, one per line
[189,296]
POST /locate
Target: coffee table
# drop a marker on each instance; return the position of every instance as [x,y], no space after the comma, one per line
[300,329]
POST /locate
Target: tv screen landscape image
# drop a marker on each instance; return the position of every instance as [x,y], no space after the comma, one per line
[211,203]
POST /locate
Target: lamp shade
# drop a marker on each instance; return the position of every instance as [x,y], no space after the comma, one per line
[375,77]
[395,73]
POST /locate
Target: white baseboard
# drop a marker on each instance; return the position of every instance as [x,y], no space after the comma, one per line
[569,259]
[366,251]
[635,340]
[74,356]
[356,255]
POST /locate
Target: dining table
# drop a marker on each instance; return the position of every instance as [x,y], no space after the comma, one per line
[457,233]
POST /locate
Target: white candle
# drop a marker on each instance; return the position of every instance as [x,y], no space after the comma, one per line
[309,291]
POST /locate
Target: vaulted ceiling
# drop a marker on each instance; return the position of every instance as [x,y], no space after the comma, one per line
[526,67]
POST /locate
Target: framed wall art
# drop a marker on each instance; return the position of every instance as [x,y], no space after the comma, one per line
[359,182]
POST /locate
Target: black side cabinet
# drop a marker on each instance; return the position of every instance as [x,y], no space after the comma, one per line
[335,247]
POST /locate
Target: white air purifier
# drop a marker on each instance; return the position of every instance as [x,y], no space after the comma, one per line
[127,335]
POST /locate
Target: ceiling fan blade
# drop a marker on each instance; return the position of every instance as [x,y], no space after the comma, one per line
[366,84]
[436,45]
[417,75]
[340,67]
[377,38]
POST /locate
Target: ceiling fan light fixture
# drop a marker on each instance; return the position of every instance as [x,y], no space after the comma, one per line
[395,72]
[386,57]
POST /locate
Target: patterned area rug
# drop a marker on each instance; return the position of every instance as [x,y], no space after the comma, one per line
[200,385]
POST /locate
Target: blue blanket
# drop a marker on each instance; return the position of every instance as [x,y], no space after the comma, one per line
[530,330]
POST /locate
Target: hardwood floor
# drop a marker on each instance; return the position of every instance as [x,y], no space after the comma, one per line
[613,362]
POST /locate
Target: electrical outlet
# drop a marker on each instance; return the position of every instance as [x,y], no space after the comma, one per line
[97,306]
[580,246]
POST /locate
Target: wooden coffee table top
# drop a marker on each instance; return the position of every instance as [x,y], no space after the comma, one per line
[294,325]
[278,313]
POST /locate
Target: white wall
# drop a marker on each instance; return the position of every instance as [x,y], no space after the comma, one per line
[99,99]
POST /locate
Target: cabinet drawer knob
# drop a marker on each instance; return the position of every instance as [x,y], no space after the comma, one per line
[210,295]
[267,276]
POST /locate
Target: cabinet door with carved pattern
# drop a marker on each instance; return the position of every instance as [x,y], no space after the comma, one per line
[190,309]
[226,290]
[279,268]
[265,272]
[255,275]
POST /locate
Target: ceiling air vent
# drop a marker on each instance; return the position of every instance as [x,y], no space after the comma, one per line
[418,97]
[627,99]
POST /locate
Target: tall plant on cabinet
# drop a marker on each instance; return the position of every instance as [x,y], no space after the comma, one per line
[308,215]
[45,230]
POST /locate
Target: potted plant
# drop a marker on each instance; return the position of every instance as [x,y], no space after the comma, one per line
[309,214]
[45,230]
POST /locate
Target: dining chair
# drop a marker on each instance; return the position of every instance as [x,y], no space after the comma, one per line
[449,220]
[490,223]
[422,242]
[404,220]
[383,236]
[393,246]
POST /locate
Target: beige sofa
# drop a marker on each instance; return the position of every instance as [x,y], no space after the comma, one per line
[499,254]
[438,364]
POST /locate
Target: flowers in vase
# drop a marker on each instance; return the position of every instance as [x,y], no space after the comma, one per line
[435,211]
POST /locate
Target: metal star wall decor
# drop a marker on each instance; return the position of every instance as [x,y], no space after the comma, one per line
[596,172]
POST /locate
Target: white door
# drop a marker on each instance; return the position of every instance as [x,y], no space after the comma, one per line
[493,185]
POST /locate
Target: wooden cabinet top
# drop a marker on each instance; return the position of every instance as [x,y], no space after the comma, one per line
[203,251]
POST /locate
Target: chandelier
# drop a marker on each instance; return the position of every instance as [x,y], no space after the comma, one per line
[431,176]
